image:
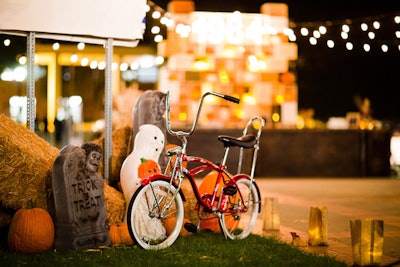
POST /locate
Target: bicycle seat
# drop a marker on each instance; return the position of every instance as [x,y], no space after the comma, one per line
[245,141]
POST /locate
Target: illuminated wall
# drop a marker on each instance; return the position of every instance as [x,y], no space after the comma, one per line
[241,54]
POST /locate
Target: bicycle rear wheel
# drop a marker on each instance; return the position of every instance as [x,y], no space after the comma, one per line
[155,215]
[238,224]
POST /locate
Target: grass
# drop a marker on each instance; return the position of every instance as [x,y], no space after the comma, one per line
[202,249]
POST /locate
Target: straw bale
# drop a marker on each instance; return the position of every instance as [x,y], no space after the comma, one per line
[26,162]
[121,143]
[115,204]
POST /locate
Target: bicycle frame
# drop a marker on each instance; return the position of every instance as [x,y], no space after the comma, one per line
[217,202]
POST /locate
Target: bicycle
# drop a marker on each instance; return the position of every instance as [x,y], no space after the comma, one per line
[156,212]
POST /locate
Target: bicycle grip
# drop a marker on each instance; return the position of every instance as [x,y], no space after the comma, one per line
[231,99]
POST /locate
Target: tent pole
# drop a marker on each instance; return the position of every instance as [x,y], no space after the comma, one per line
[108,109]
[30,81]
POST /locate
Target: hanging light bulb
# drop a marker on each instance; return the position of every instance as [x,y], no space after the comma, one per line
[7,42]
[367,47]
[376,25]
[322,29]
[81,46]
[384,48]
[156,15]
[345,28]
[158,38]
[155,29]
[313,40]
[330,43]
[371,35]
[364,27]
[56,46]
[304,31]
[349,46]
[316,34]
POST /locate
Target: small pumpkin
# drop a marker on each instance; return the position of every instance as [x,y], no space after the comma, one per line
[169,224]
[207,187]
[147,167]
[119,234]
[31,231]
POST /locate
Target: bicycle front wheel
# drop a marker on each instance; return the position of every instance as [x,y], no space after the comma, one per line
[238,224]
[155,215]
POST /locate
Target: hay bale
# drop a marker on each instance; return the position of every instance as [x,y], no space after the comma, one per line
[26,162]
[121,147]
[115,204]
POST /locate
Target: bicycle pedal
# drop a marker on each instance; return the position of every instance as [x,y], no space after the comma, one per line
[190,227]
[230,190]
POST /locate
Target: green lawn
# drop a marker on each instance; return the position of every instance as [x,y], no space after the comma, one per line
[201,249]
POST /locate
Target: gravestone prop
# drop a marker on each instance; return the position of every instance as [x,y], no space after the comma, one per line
[80,211]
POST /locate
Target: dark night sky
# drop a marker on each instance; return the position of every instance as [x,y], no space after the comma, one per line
[328,79]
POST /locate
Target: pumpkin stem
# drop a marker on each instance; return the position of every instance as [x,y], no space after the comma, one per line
[143,160]
[29,204]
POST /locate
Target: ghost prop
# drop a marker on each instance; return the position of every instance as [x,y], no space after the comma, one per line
[150,109]
[149,142]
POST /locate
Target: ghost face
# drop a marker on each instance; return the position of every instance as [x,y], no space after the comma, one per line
[149,141]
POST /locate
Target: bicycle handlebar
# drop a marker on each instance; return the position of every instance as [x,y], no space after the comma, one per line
[183,133]
[231,98]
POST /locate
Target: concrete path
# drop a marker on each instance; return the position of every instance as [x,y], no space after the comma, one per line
[345,199]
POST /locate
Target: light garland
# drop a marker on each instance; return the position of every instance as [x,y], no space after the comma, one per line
[376,33]
[373,33]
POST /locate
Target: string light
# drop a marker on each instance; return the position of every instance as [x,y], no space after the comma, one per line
[374,33]
[304,31]
[349,46]
[348,31]
[371,35]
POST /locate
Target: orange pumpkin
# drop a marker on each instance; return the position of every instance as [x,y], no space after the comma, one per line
[147,167]
[31,231]
[119,234]
[170,223]
[207,187]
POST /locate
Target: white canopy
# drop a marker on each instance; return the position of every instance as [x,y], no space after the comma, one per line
[89,21]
